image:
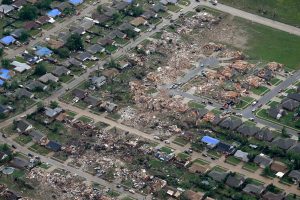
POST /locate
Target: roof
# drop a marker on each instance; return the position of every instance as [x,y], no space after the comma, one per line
[60,71]
[100,18]
[149,14]
[235,181]
[4,109]
[248,130]
[48,77]
[5,74]
[7,40]
[19,3]
[36,135]
[191,195]
[210,141]
[54,146]
[17,32]
[91,100]
[198,168]
[159,7]
[284,143]
[1,82]
[263,160]
[20,67]
[231,123]
[294,96]
[21,92]
[84,56]
[79,93]
[49,112]
[277,166]
[290,104]
[254,189]
[106,41]
[43,19]
[19,163]
[295,148]
[217,176]
[295,174]
[265,134]
[23,125]
[43,51]
[98,81]
[35,84]
[95,48]
[225,148]
[75,2]
[138,21]
[116,33]
[74,62]
[242,155]
[54,13]
[30,25]
[6,8]
[272,196]
[274,112]
[121,5]
[125,26]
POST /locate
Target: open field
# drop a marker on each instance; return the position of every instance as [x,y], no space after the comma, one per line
[287,11]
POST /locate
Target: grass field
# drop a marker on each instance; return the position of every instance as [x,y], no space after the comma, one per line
[286,11]
[261,90]
[180,141]
[233,161]
[23,139]
[268,44]
[252,167]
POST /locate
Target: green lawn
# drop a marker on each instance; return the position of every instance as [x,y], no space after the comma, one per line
[193,104]
[85,119]
[113,193]
[286,11]
[23,139]
[201,162]
[268,44]
[273,103]
[183,156]
[275,81]
[166,150]
[173,8]
[180,141]
[71,113]
[252,167]
[261,90]
[184,2]
[233,160]
[214,153]
[39,149]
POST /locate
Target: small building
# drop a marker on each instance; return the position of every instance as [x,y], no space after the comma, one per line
[8,40]
[295,148]
[106,41]
[126,26]
[120,6]
[262,160]
[60,71]
[21,93]
[53,146]
[73,62]
[277,166]
[109,106]
[295,175]
[191,195]
[117,34]
[225,148]
[294,96]
[96,48]
[138,21]
[98,81]
[48,77]
[20,67]
[210,141]
[23,126]
[51,113]
[17,33]
[235,181]
[5,9]
[100,18]
[217,175]
[284,143]
[149,14]
[158,7]
[19,4]
[241,155]
[276,112]
[35,85]
[54,13]
[42,20]
[30,25]
[253,189]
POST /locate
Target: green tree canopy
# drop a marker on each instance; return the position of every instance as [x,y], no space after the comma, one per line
[40,69]
[74,42]
[28,12]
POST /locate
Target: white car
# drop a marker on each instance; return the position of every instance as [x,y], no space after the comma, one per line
[251,119]
[254,109]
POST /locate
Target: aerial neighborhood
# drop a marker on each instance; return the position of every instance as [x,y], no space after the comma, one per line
[149,99]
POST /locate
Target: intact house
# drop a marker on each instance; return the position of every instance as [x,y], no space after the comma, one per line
[51,113]
[91,101]
[295,175]
[231,123]
[117,34]
[37,136]
[96,48]
[98,81]
[284,143]
[235,181]
[210,141]
[84,56]
[272,196]
[48,77]
[253,189]
[21,93]
[217,175]
[265,134]
[78,94]
[72,62]
[53,146]
[241,155]
[149,14]
[262,160]
[61,71]
[276,112]
[248,130]
[23,126]
[35,85]
[20,67]
[226,149]
[290,104]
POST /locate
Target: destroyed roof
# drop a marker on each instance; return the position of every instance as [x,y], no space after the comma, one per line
[272,196]
[265,134]
[43,19]
[254,189]
[235,181]
[248,130]
[191,195]
[284,143]
[290,104]
[263,160]
[231,123]
[198,168]
[54,146]
[217,175]
[295,174]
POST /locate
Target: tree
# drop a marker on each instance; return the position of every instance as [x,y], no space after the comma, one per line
[44,4]
[74,42]
[7,2]
[40,69]
[62,52]
[1,52]
[53,104]
[135,11]
[117,18]
[28,12]
[113,64]
[284,133]
[130,33]
[100,9]
[40,106]
[24,36]
[5,63]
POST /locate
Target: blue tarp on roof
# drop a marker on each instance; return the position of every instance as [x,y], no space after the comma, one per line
[128,1]
[7,40]
[75,2]
[1,82]
[54,146]
[54,13]
[4,74]
[210,140]
[43,51]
